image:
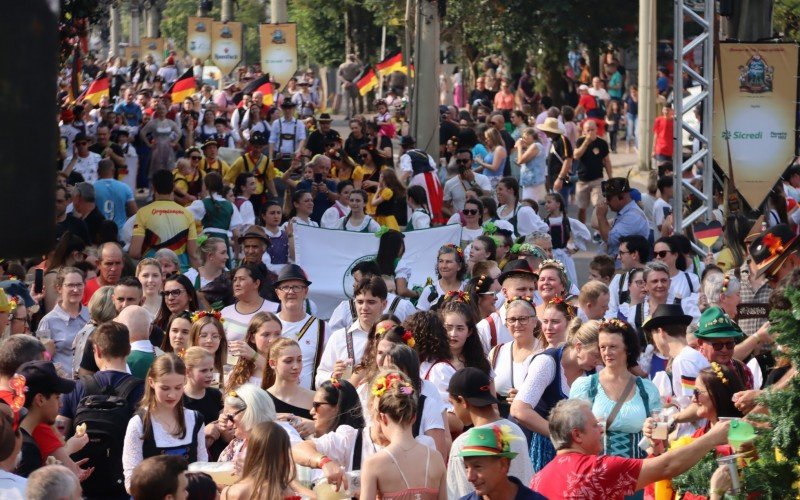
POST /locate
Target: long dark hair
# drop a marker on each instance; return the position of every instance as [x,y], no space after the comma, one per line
[430,336]
[407,361]
[165,344]
[344,398]
[296,197]
[478,203]
[390,248]
[491,246]
[164,313]
[566,227]
[721,392]
[67,244]
[473,353]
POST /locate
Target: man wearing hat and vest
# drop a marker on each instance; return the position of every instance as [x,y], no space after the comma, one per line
[516,280]
[630,218]
[253,160]
[309,331]
[210,162]
[324,135]
[487,459]
[287,137]
[716,337]
[419,168]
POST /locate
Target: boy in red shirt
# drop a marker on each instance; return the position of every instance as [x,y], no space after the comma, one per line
[664,142]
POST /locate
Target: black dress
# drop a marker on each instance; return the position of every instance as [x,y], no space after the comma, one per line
[209,406]
[283,407]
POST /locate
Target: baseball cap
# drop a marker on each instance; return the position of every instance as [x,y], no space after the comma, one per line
[41,377]
[473,385]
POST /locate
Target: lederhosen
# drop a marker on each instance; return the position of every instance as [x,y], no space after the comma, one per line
[284,160]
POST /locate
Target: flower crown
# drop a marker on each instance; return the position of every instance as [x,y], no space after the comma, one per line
[524,298]
[457,248]
[19,388]
[560,300]
[718,372]
[408,338]
[489,228]
[553,263]
[481,281]
[380,331]
[381,384]
[457,295]
[198,315]
[617,323]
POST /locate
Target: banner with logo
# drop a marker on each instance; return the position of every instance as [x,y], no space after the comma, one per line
[153,47]
[132,53]
[328,256]
[198,37]
[226,45]
[755,96]
[279,51]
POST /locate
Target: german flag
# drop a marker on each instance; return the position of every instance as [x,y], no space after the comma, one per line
[367,81]
[261,84]
[96,90]
[183,87]
[391,64]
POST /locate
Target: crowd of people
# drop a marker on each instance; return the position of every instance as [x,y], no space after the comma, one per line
[167,346]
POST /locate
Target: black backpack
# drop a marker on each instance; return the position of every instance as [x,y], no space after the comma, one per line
[106,413]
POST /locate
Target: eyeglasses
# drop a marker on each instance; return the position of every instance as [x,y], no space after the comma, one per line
[172,293]
[317,404]
[462,161]
[718,346]
[74,286]
[24,319]
[697,393]
[195,158]
[622,252]
[230,416]
[292,288]
[661,254]
[470,211]
[522,320]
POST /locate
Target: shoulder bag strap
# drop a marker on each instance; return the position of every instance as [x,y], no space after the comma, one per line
[492,331]
[620,401]
[320,348]
[356,463]
[305,328]
[496,354]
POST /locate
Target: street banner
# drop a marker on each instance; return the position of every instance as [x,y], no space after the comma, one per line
[132,53]
[755,96]
[328,256]
[198,37]
[279,51]
[226,45]
[153,47]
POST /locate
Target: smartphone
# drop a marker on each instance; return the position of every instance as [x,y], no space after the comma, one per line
[667,211]
[317,178]
[38,281]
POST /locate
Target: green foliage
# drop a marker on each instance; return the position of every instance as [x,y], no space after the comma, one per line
[174,20]
[696,479]
[320,29]
[786,20]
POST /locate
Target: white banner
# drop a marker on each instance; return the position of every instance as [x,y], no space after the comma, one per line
[328,255]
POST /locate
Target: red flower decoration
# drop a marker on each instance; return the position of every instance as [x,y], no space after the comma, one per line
[773,243]
[17,385]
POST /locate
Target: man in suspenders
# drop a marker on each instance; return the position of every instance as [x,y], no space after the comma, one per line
[287,137]
[517,280]
[346,345]
[346,314]
[634,251]
[309,331]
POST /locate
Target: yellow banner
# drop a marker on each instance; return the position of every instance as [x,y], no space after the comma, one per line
[226,45]
[198,37]
[279,51]
[755,91]
[132,53]
[153,47]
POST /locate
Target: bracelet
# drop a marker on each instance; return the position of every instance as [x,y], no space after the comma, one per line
[322,461]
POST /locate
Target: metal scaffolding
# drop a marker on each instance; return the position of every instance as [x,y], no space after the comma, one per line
[685,15]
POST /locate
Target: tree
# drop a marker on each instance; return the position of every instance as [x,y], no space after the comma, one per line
[320,28]
[786,19]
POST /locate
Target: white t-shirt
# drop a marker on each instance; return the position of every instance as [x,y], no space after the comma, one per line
[308,344]
[439,374]
[521,466]
[236,323]
[658,211]
[247,213]
[87,167]
[132,163]
[455,189]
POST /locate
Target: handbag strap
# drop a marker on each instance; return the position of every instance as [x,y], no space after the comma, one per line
[620,401]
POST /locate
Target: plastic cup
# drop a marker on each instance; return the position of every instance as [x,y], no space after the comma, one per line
[326,491]
[220,472]
[730,462]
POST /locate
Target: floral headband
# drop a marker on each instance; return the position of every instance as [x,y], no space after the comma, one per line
[457,295]
[553,263]
[198,315]
[524,298]
[559,300]
[19,388]
[614,322]
[481,281]
[408,338]
[457,248]
[718,372]
[383,383]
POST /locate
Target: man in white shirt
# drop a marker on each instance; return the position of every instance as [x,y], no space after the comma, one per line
[346,346]
[341,207]
[517,280]
[455,189]
[662,207]
[287,137]
[634,251]
[598,91]
[82,161]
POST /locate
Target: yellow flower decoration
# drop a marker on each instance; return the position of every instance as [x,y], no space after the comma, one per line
[379,387]
[718,371]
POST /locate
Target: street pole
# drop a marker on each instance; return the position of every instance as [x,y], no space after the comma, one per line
[647,81]
[153,20]
[134,41]
[226,11]
[383,56]
[426,62]
[115,29]
[280,14]
[410,12]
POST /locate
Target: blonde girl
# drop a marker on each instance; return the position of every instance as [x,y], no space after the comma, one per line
[162,425]
[253,351]
[207,332]
[198,394]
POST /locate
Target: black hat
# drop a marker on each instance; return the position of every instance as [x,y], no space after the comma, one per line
[516,267]
[407,140]
[258,138]
[292,272]
[41,377]
[667,314]
[257,232]
[771,249]
[213,142]
[615,186]
[287,103]
[324,118]
[473,385]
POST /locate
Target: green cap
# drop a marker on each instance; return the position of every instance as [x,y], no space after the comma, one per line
[715,324]
[488,442]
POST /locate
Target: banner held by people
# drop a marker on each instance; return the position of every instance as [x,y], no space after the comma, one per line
[329,269]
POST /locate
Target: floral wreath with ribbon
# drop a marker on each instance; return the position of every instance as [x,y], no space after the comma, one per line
[198,315]
[570,309]
[457,249]
[524,298]
[383,383]
[457,296]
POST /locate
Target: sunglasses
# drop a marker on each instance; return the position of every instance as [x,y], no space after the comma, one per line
[317,404]
[718,346]
[171,293]
[697,393]
[195,157]
[662,254]
[470,211]
[462,161]
[230,416]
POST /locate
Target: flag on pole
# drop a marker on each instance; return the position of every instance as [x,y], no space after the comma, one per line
[98,88]
[328,256]
[261,84]
[183,87]
[391,64]
[367,81]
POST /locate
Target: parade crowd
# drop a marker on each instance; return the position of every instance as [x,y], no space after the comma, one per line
[167,346]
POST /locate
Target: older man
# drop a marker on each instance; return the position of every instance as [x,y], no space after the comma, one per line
[318,138]
[579,472]
[109,270]
[630,218]
[717,336]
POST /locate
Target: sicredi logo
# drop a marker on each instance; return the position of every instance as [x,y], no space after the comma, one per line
[738,134]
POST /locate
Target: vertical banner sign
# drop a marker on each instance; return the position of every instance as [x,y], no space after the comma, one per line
[198,37]
[755,91]
[153,47]
[132,53]
[226,45]
[279,51]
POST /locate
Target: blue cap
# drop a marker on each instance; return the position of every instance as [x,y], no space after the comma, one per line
[636,195]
